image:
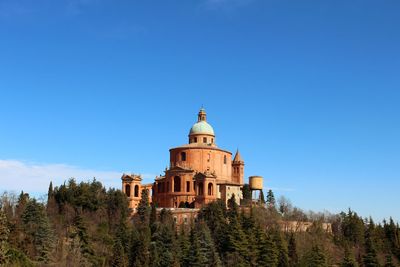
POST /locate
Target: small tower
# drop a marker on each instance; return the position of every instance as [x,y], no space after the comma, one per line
[237,168]
[132,187]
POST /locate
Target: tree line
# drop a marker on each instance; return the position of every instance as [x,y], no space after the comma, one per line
[83,224]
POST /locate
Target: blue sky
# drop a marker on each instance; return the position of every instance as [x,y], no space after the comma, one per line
[309,91]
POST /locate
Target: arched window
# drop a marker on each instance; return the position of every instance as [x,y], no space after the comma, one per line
[204,139]
[224,159]
[212,140]
[136,190]
[210,189]
[183,156]
[128,190]
[177,184]
[201,190]
[195,139]
[188,186]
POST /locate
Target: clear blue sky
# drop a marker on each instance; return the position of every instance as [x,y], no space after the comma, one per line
[309,91]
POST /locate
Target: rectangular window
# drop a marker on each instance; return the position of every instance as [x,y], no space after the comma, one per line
[187,186]
[204,139]
[195,139]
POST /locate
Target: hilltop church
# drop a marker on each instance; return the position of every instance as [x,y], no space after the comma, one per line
[200,172]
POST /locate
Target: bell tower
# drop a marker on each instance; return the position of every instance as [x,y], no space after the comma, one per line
[238,169]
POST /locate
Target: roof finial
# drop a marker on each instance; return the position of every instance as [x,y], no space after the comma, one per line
[202,115]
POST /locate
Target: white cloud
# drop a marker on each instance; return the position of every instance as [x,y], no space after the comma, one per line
[18,175]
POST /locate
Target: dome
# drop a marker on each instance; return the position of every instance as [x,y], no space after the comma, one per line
[201,127]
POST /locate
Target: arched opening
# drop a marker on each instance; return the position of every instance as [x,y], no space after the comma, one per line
[200,187]
[210,189]
[128,190]
[136,191]
[183,156]
[177,184]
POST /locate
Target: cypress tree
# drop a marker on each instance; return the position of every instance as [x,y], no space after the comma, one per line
[144,207]
[118,258]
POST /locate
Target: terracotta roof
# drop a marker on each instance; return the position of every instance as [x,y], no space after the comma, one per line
[237,157]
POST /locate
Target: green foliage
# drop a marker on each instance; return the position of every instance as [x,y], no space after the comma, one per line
[292,251]
[144,207]
[85,225]
[348,260]
[37,230]
[271,202]
[315,258]
[4,232]
[370,258]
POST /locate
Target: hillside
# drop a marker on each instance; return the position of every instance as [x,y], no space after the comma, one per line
[86,225]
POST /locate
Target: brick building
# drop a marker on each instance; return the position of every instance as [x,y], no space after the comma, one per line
[199,172]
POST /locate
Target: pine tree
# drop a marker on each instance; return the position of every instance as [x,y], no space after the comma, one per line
[389,261]
[184,246]
[370,259]
[4,233]
[39,235]
[348,260]
[315,258]
[81,235]
[267,251]
[292,251]
[283,258]
[271,199]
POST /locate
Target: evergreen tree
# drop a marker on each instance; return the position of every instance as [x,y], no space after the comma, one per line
[39,235]
[246,192]
[315,258]
[292,251]
[184,246]
[370,258]
[348,260]
[4,233]
[283,257]
[271,199]
[81,235]
[389,261]
[118,258]
[267,251]
[50,191]
[144,207]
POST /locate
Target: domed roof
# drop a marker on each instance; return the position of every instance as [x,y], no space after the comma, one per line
[201,127]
